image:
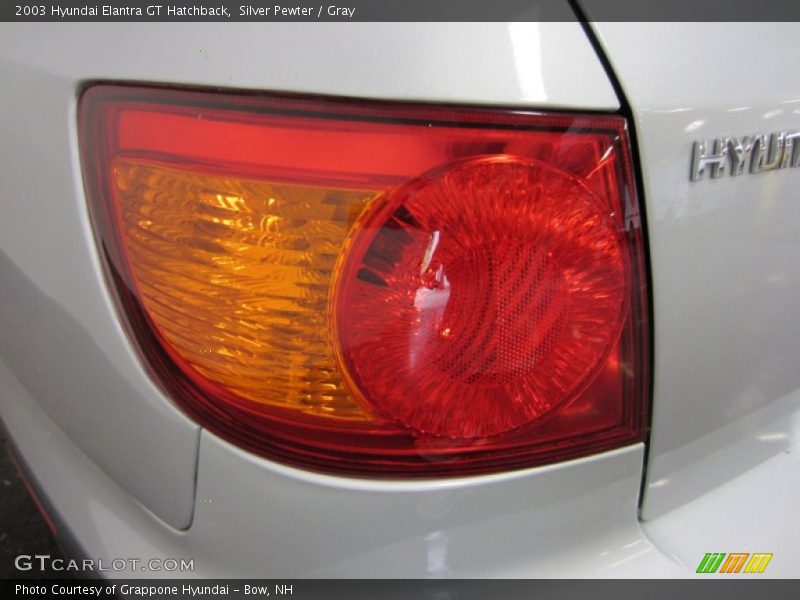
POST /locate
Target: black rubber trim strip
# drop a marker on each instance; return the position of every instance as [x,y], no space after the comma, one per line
[627,112]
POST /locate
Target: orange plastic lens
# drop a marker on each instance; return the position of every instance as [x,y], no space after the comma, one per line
[235,275]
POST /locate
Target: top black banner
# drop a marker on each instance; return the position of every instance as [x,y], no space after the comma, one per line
[402,10]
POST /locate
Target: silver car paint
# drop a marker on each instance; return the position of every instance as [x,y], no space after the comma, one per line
[724,252]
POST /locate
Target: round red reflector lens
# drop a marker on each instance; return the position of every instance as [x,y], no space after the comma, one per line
[478,298]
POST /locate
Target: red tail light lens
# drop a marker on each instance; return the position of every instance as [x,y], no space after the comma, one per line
[372,288]
[479,298]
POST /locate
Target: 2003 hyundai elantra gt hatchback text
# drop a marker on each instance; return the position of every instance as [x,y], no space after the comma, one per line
[405,318]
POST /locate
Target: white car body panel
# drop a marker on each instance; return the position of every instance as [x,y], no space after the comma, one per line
[724,252]
[133,476]
[754,510]
[516,64]
[529,523]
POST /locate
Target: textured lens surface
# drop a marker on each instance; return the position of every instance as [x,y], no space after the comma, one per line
[480,297]
[235,276]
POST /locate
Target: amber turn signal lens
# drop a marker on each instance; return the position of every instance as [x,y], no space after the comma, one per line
[235,275]
[372,288]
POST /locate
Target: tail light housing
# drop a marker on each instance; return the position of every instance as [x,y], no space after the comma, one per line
[375,289]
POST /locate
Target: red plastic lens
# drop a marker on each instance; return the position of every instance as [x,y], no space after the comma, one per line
[480,297]
[373,288]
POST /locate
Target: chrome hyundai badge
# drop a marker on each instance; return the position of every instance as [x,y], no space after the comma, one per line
[762,152]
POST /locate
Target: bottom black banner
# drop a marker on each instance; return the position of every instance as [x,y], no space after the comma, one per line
[453,589]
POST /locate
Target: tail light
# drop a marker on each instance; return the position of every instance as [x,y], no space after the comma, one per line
[375,288]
